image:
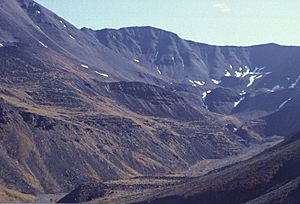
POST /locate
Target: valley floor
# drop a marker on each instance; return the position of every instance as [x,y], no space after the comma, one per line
[128,190]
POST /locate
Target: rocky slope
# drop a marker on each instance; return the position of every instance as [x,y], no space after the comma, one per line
[12,196]
[226,79]
[283,122]
[79,105]
[44,153]
[73,111]
[271,177]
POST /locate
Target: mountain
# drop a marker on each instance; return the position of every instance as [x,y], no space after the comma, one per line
[83,105]
[73,111]
[271,177]
[241,72]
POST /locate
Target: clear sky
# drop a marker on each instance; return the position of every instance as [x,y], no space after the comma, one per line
[224,22]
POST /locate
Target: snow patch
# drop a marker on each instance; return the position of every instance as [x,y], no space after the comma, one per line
[242,72]
[71,37]
[200,83]
[243,92]
[227,73]
[204,94]
[230,66]
[293,85]
[238,74]
[246,72]
[43,44]
[84,66]
[38,27]
[38,12]
[62,23]
[259,76]
[195,83]
[284,103]
[238,102]
[1,45]
[215,81]
[252,79]
[136,60]
[102,74]
[158,70]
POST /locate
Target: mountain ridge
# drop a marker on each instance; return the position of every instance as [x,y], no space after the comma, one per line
[186,39]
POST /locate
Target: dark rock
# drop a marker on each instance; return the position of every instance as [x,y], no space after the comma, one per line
[84,193]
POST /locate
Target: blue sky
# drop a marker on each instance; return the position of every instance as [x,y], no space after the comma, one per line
[224,22]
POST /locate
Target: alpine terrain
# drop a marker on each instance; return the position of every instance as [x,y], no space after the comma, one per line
[139,115]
